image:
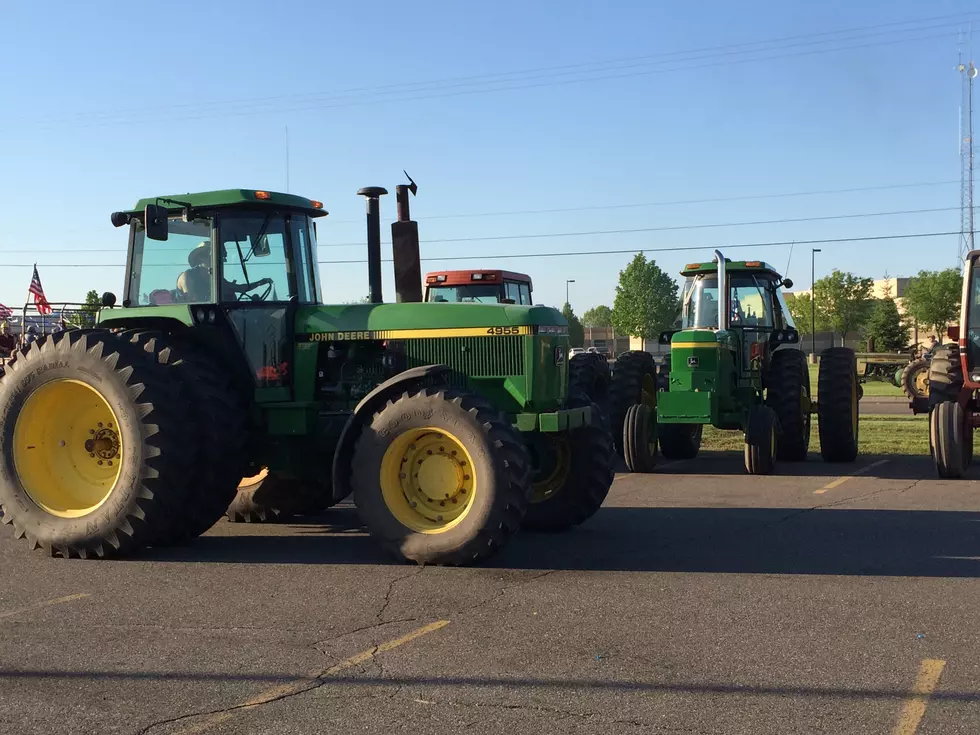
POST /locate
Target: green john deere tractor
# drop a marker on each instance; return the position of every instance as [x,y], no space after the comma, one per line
[451,424]
[735,363]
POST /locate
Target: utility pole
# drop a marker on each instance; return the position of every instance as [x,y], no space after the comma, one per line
[813,305]
[571,280]
[969,71]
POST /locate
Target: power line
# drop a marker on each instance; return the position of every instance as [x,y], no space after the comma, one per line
[916,23]
[687,248]
[493,256]
[576,233]
[677,202]
[667,228]
[309,103]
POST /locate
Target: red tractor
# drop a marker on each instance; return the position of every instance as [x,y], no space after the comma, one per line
[954,382]
[478,286]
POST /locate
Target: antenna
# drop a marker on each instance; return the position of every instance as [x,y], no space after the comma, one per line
[287,159]
[790,258]
[967,229]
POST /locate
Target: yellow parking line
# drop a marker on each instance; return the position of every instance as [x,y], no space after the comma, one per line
[46,603]
[915,706]
[285,690]
[841,480]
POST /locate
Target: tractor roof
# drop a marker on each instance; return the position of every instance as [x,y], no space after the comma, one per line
[237,198]
[755,266]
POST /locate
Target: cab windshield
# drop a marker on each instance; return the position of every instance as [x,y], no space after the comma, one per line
[749,302]
[264,257]
[471,293]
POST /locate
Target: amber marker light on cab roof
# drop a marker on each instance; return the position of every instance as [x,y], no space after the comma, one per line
[753,263]
[316,204]
[262,195]
[692,266]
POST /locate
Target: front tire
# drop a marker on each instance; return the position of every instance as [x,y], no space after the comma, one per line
[945,375]
[589,374]
[680,441]
[950,439]
[440,477]
[640,438]
[572,474]
[760,441]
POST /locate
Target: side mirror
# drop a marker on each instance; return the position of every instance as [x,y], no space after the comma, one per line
[155,221]
[108,299]
[787,283]
[261,247]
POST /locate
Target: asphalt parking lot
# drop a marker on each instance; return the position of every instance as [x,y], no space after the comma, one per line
[698,600]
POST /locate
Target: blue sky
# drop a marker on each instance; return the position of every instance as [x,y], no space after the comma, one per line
[103,106]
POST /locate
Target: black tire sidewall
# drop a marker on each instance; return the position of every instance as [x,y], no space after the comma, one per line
[43,365]
[417,412]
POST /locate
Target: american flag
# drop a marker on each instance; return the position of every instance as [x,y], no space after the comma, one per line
[5,311]
[38,293]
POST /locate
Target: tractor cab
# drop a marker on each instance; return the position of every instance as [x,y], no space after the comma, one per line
[968,331]
[749,315]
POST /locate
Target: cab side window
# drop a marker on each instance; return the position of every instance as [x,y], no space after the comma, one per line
[512,291]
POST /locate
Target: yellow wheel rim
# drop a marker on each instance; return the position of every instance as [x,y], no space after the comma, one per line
[557,465]
[922,383]
[67,448]
[428,480]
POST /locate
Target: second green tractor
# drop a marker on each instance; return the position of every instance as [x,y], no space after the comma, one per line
[735,363]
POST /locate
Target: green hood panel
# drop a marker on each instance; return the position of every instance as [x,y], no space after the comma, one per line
[379,317]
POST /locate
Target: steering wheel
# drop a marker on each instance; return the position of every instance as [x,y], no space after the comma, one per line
[246,296]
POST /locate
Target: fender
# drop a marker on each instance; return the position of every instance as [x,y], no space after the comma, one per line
[417,377]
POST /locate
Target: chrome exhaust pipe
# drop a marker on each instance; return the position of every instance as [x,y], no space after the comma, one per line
[722,291]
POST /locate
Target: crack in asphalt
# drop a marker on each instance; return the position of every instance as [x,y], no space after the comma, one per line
[391,588]
[560,711]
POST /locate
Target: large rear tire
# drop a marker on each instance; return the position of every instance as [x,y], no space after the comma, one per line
[945,375]
[571,476]
[588,373]
[837,405]
[640,438]
[97,446]
[440,477]
[219,412]
[950,439]
[634,381]
[788,394]
[915,378]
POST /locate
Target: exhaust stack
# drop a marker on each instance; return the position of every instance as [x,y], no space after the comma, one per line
[722,291]
[405,247]
[372,195]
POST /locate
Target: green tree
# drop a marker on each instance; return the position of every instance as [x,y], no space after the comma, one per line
[886,327]
[646,299]
[362,300]
[86,315]
[799,305]
[576,332]
[845,300]
[598,316]
[932,298]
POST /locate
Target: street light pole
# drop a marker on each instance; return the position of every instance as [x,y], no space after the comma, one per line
[571,280]
[813,306]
